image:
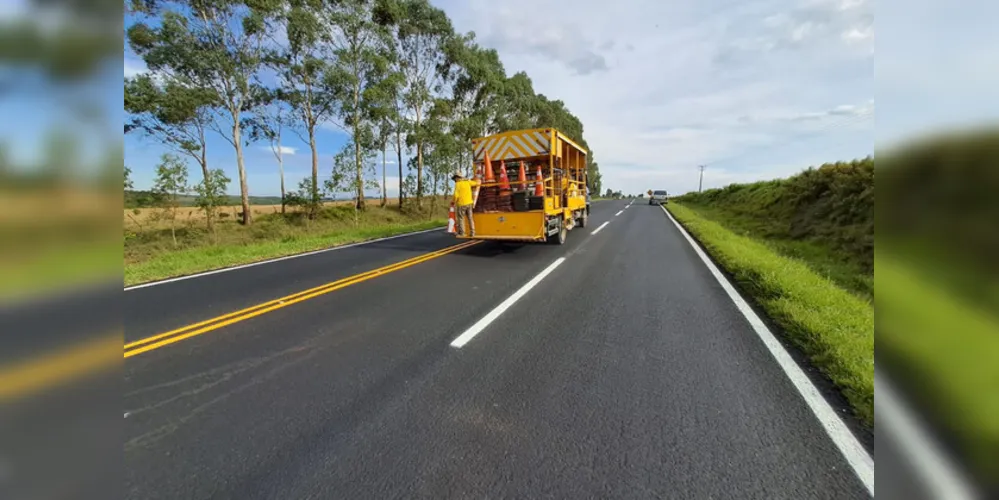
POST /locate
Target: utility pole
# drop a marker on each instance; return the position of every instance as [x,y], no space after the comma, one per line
[700,183]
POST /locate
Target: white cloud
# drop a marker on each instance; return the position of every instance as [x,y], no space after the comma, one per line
[285,150]
[854,35]
[671,85]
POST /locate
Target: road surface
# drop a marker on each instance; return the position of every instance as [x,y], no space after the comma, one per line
[624,372]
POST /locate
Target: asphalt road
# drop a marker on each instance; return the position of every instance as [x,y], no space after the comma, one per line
[626,372]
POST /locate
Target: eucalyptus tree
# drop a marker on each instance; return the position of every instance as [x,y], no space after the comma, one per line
[476,78]
[360,65]
[421,32]
[177,115]
[216,46]
[303,65]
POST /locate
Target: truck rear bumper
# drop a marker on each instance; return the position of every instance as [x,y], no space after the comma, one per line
[509,226]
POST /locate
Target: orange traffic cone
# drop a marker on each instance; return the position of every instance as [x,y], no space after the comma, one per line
[539,183]
[522,177]
[488,167]
[451,222]
[504,180]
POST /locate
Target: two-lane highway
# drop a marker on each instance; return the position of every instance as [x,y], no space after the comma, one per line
[614,366]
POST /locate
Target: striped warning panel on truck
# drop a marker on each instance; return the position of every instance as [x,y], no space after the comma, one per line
[516,145]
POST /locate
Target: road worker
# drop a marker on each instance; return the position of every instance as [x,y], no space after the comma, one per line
[463,202]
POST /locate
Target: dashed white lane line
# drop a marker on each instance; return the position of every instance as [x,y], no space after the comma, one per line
[619,213]
[597,230]
[856,456]
[477,328]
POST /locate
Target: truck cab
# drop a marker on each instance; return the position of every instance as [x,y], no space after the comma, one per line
[658,197]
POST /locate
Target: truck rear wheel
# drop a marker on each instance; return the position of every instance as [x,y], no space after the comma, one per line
[584,219]
[559,237]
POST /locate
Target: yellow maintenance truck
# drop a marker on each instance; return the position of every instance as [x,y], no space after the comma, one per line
[533,186]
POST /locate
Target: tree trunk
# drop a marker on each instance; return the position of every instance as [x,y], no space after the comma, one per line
[173,225]
[419,160]
[244,190]
[359,181]
[281,171]
[398,152]
[210,209]
[384,177]
[314,204]
[280,160]
[433,202]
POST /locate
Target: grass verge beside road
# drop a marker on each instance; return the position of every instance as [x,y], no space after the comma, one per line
[834,327]
[942,347]
[152,255]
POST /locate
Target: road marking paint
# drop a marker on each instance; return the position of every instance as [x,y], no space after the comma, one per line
[597,230]
[52,368]
[160,340]
[933,467]
[278,259]
[855,454]
[273,302]
[619,213]
[477,328]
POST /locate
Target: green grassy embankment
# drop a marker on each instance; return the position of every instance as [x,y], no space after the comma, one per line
[803,249]
[938,288]
[151,254]
[797,244]
[834,327]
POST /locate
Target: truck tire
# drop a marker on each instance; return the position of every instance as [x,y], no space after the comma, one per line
[559,237]
[584,219]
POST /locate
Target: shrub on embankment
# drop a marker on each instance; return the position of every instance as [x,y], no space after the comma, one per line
[822,216]
[832,205]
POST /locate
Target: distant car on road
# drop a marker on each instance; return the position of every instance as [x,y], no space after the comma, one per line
[658,198]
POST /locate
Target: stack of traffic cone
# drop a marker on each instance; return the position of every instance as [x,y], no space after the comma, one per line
[522,177]
[504,202]
[537,202]
[488,194]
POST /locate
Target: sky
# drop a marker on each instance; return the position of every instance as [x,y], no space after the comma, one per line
[752,89]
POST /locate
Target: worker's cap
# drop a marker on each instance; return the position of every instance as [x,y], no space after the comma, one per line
[457,175]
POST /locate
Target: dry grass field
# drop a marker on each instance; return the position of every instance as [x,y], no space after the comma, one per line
[145,219]
[152,251]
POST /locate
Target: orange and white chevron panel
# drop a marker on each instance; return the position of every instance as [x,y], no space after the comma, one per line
[518,145]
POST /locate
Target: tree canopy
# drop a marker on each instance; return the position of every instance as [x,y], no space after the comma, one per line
[388,73]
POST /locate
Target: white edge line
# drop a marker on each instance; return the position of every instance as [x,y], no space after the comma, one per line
[278,259]
[856,456]
[477,328]
[597,230]
[619,213]
[933,467]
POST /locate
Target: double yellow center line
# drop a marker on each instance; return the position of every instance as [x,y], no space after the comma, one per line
[166,338]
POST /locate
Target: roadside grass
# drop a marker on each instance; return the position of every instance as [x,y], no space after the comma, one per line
[50,268]
[54,239]
[941,345]
[844,270]
[152,255]
[834,327]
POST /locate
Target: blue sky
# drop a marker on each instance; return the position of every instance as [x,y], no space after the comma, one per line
[754,89]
